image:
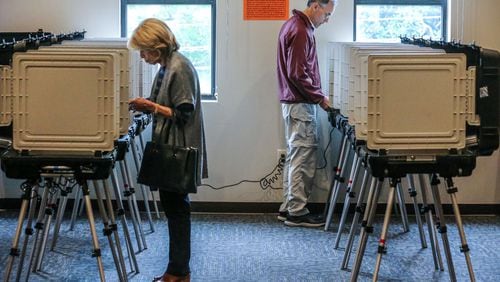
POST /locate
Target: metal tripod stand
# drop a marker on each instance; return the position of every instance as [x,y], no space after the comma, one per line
[440,226]
[43,222]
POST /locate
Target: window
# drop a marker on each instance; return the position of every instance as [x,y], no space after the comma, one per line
[387,20]
[192,22]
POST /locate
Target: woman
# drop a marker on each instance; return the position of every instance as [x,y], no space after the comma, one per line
[174,101]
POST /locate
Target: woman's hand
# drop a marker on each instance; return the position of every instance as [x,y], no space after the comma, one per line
[142,105]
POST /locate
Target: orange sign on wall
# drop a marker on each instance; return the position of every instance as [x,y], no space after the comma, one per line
[265,9]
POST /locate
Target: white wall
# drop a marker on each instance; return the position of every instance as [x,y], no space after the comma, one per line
[244,128]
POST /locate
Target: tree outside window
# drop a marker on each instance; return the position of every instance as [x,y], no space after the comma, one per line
[379,20]
[192,25]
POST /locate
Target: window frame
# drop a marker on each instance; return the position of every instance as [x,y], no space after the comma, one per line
[123,21]
[442,3]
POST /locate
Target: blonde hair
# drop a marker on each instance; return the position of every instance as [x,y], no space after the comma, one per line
[154,34]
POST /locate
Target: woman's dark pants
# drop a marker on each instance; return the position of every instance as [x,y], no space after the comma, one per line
[178,211]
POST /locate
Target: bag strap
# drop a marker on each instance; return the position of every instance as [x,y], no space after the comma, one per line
[169,127]
[159,129]
[183,135]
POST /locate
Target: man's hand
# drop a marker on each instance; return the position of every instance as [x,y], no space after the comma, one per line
[325,105]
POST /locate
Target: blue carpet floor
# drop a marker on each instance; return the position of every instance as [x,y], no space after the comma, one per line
[258,247]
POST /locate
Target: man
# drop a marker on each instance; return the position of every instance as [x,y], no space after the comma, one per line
[300,92]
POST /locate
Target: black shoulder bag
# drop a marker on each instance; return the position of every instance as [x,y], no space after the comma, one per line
[171,168]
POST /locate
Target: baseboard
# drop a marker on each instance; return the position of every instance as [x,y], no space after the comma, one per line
[252,207]
[244,207]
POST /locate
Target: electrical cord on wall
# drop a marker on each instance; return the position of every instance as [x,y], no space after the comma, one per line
[274,176]
[264,183]
[326,149]
[230,185]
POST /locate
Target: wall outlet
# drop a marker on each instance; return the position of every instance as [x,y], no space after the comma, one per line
[280,156]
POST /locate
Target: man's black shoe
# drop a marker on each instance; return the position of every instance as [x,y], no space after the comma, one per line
[308,220]
[282,216]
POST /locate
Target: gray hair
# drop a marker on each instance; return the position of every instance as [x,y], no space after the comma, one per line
[321,2]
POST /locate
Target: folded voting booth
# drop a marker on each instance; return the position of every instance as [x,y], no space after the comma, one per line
[420,108]
[65,121]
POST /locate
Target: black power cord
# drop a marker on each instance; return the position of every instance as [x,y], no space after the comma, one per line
[326,149]
[265,182]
